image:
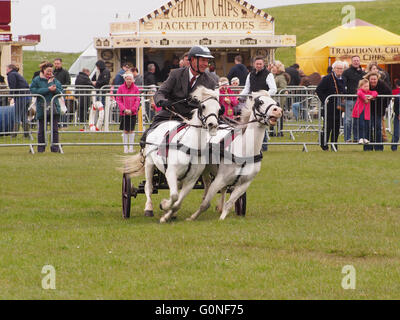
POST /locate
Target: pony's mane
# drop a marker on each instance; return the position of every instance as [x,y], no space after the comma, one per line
[201,93]
[248,108]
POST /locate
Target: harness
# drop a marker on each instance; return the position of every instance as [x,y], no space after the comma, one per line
[219,148]
[163,149]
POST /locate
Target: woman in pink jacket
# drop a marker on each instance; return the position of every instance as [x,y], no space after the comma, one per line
[128,109]
[229,103]
[361,112]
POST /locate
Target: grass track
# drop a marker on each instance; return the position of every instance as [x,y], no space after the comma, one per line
[309,214]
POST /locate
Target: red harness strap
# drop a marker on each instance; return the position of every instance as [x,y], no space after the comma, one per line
[163,149]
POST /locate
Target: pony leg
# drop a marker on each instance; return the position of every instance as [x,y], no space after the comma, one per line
[236,193]
[220,205]
[172,180]
[148,188]
[207,182]
[187,186]
[215,186]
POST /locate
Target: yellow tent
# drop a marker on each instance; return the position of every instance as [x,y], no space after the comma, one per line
[358,37]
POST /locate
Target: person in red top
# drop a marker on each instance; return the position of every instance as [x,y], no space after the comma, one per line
[229,103]
[396,90]
[361,112]
[128,109]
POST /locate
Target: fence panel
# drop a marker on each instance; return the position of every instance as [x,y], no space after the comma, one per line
[97,121]
[18,126]
[349,121]
[98,124]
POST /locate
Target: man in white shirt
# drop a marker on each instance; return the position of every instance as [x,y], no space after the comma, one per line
[260,79]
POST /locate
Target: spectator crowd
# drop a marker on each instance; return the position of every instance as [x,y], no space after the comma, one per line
[362,118]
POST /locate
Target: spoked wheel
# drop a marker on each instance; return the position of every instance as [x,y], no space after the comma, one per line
[240,206]
[126,196]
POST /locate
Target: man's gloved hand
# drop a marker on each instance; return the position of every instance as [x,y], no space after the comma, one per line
[193,103]
[165,104]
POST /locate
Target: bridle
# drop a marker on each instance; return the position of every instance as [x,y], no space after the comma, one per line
[203,119]
[262,117]
[259,116]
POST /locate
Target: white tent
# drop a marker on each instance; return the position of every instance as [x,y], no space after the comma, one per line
[86,60]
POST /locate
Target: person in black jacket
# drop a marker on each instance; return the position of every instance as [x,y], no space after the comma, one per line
[64,78]
[84,102]
[176,90]
[331,84]
[150,75]
[378,109]
[294,73]
[16,81]
[396,123]
[239,70]
[100,79]
[61,74]
[352,76]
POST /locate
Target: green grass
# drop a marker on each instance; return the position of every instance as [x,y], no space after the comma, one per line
[311,20]
[32,59]
[309,214]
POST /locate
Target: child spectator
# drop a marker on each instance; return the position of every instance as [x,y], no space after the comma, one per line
[128,107]
[361,112]
[229,103]
[396,89]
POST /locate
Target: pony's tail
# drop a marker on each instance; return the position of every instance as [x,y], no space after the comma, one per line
[134,165]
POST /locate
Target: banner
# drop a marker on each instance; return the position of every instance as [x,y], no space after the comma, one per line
[199,16]
[381,55]
[212,41]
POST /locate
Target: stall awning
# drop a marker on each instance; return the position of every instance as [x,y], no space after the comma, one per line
[370,42]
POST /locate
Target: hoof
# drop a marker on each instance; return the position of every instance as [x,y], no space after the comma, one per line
[148,213]
[163,220]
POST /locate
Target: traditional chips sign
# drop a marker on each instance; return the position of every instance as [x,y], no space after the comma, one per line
[207,16]
[383,54]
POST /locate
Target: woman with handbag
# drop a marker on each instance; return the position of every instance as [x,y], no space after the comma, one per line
[46,85]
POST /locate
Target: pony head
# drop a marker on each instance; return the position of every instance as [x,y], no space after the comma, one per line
[262,108]
[208,108]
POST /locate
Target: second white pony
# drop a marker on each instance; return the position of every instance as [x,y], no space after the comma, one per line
[239,153]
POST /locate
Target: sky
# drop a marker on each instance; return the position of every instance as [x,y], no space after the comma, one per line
[70,26]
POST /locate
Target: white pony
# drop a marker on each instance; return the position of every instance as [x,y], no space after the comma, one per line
[241,156]
[176,150]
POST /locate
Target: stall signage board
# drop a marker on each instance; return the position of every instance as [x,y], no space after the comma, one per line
[174,41]
[204,16]
[381,54]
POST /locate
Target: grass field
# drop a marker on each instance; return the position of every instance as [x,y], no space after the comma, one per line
[309,215]
[308,21]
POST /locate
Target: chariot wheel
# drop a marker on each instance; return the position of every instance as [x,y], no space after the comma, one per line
[126,196]
[240,206]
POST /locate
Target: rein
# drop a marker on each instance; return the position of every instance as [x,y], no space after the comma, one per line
[256,112]
[202,118]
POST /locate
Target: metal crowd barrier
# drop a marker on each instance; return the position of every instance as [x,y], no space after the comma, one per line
[341,128]
[98,122]
[301,127]
[17,129]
